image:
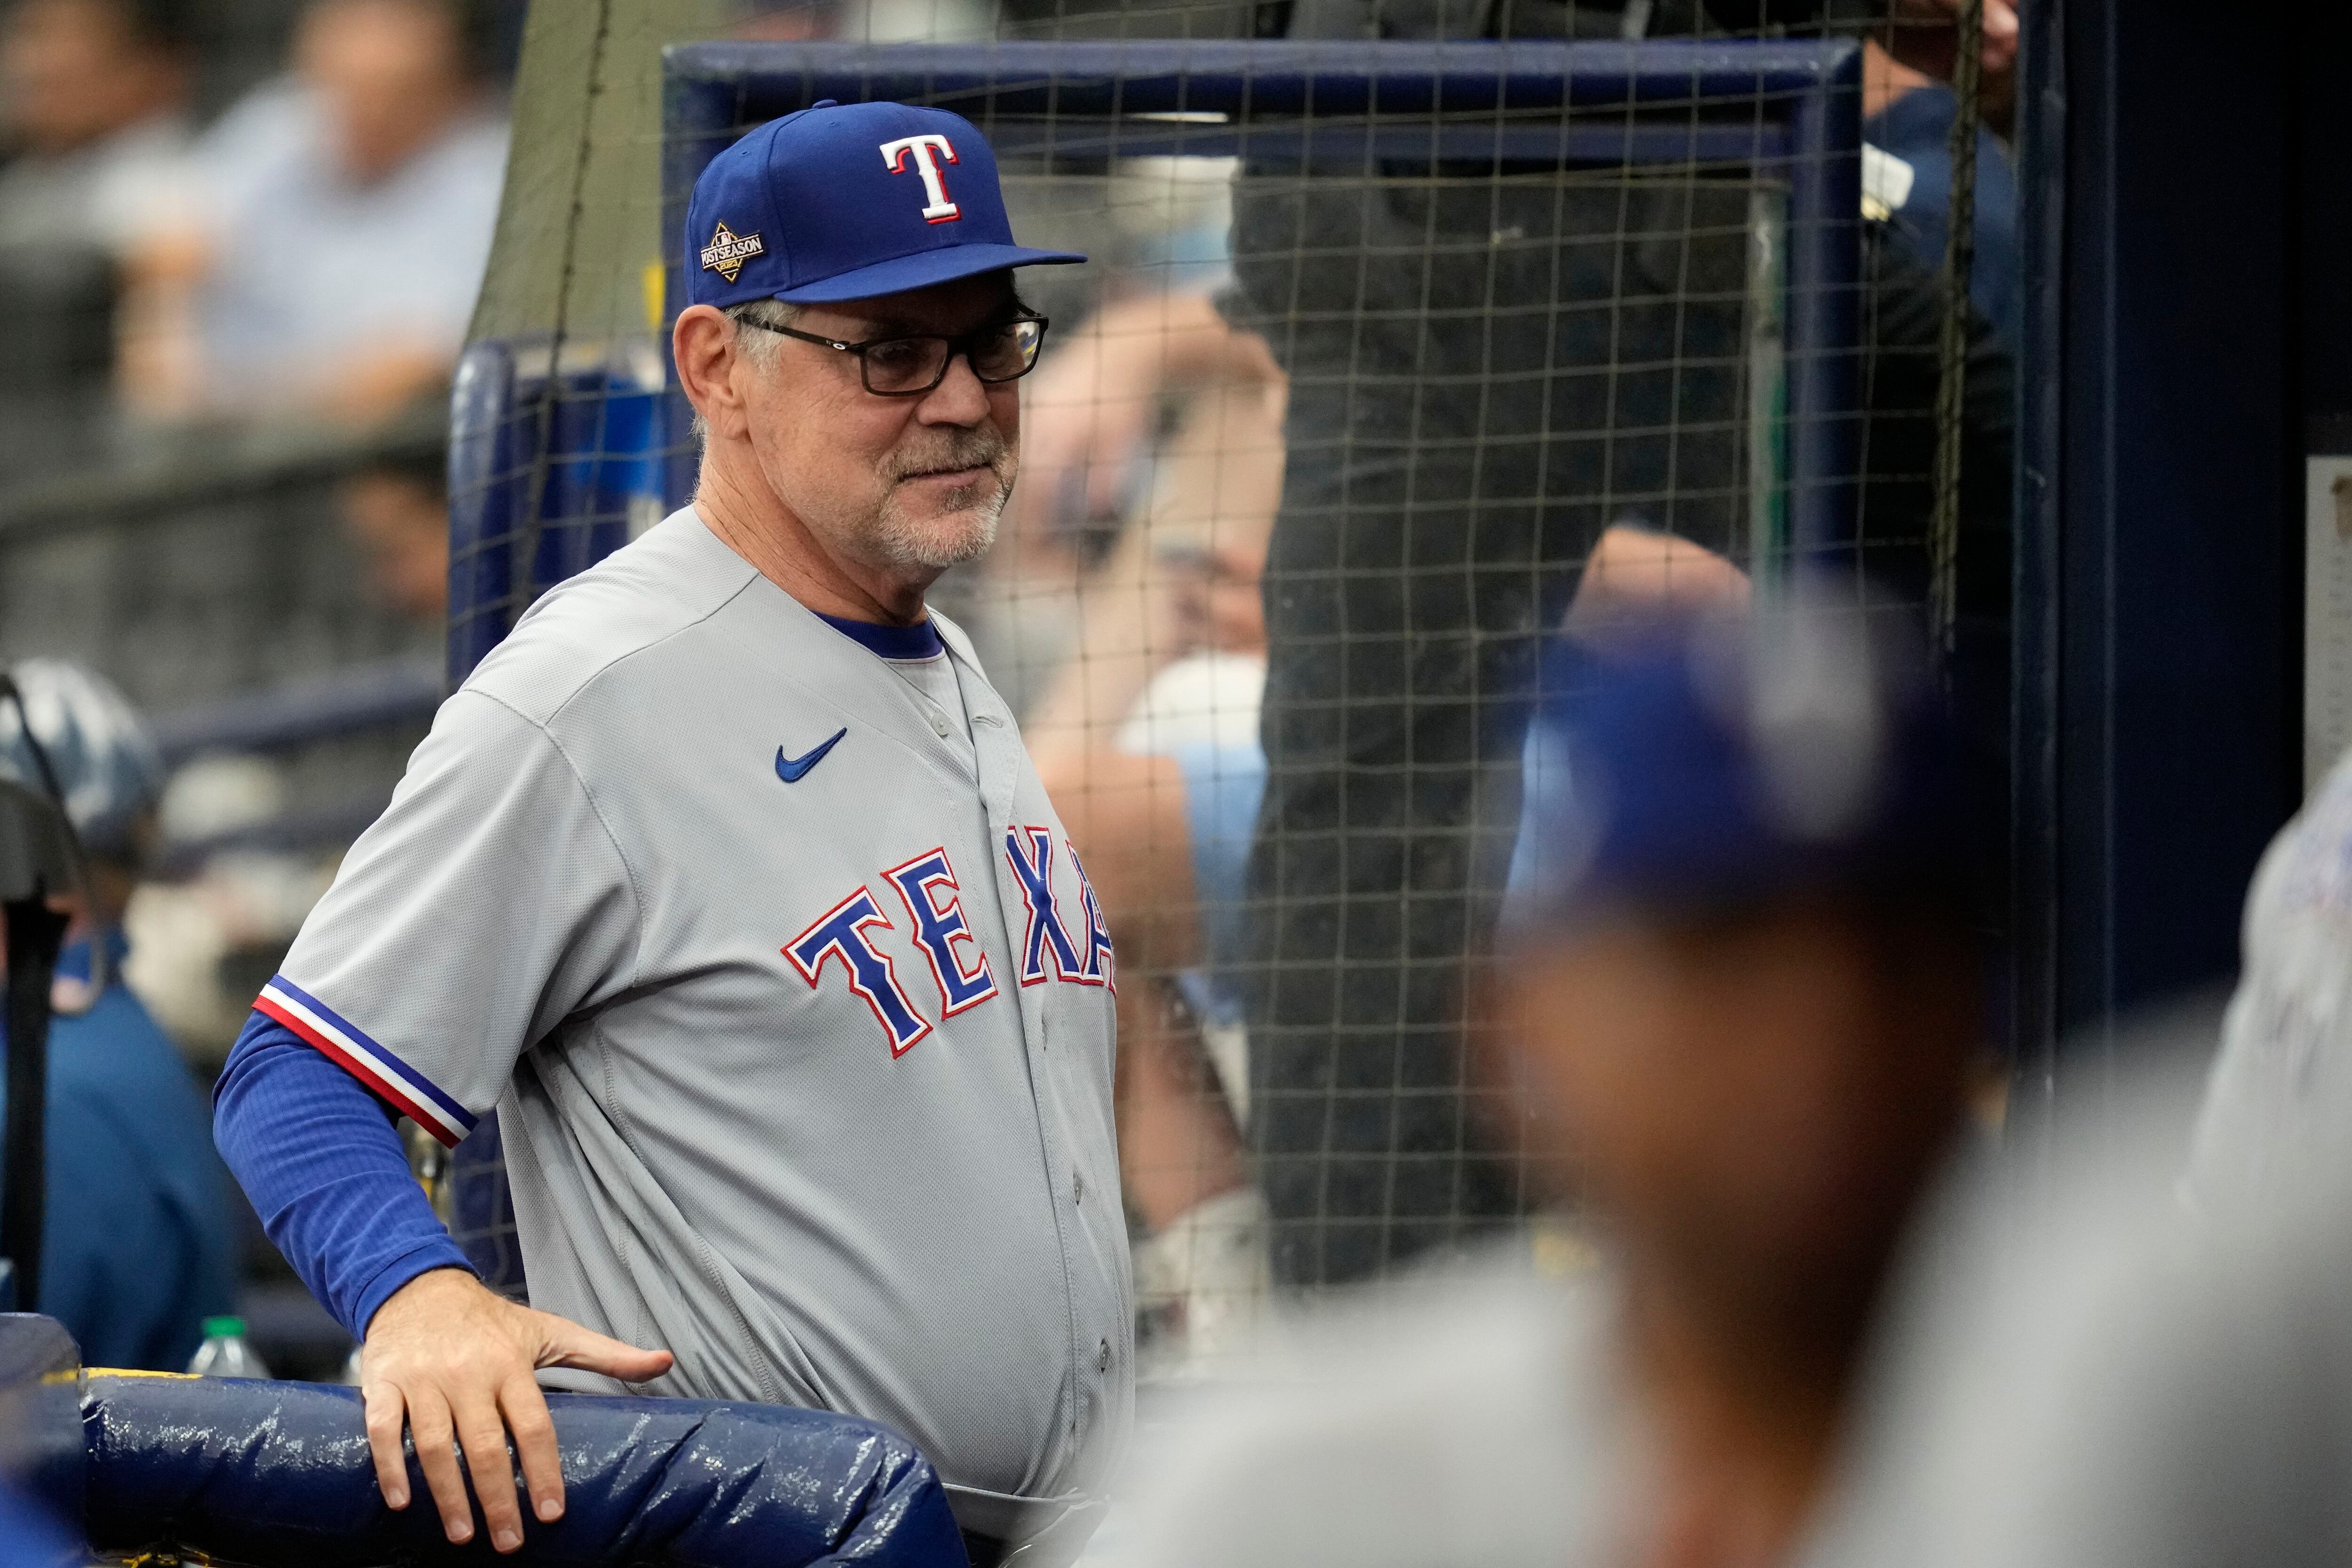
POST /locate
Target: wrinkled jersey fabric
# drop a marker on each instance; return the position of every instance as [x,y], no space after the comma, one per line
[2281,1086]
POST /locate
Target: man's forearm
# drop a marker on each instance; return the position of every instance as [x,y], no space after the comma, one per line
[318,1156]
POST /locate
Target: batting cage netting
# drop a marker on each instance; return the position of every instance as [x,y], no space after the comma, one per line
[1408,339]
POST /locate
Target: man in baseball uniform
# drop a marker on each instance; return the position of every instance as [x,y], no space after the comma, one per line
[727,882]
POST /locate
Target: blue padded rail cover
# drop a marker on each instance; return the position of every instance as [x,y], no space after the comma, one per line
[278,1474]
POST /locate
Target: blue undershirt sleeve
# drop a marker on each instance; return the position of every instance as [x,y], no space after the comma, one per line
[318,1154]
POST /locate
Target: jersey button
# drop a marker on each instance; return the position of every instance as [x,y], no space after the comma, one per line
[1078,1188]
[940,724]
[1102,1356]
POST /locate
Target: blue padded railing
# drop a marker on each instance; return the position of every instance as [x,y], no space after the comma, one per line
[279,1475]
[553,462]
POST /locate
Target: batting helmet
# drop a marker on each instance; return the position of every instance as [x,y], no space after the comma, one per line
[88,745]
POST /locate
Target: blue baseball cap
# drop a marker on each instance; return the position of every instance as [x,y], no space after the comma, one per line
[848,201]
[1725,760]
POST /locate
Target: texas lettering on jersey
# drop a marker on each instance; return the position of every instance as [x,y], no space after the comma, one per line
[926,886]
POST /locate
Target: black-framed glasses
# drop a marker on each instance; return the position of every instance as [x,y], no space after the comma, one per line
[911,366]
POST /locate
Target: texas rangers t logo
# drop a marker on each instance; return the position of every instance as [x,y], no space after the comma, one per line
[928,148]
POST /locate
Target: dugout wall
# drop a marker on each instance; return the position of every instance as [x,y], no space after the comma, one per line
[2185,345]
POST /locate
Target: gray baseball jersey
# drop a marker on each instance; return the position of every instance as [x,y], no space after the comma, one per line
[2281,1083]
[791,997]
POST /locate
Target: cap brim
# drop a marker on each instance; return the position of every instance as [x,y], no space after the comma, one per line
[921,270]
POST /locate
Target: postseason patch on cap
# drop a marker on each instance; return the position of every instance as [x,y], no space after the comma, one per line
[727,252]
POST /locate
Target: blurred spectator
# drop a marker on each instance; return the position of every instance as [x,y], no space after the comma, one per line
[398,516]
[97,172]
[1097,400]
[140,1245]
[1146,742]
[1907,124]
[1907,199]
[1589,335]
[395,509]
[1923,36]
[1741,1009]
[198,941]
[1486,375]
[352,206]
[96,95]
[1425,544]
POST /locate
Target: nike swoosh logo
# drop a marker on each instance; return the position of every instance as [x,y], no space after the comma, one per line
[791,769]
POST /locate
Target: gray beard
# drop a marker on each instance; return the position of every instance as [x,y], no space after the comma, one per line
[900,541]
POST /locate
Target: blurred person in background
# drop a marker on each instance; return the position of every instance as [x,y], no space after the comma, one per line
[1427,541]
[397,513]
[92,101]
[351,206]
[1148,741]
[1430,536]
[93,97]
[1100,395]
[140,1245]
[1740,1003]
[1907,195]
[395,508]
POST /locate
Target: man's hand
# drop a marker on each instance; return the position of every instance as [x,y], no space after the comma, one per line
[1091,405]
[1634,576]
[455,1361]
[1925,35]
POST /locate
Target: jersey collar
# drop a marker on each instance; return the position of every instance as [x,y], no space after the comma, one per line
[898,644]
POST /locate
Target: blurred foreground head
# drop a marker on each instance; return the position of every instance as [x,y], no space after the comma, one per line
[1744,993]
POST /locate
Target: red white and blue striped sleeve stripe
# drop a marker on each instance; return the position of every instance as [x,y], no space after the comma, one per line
[407,1090]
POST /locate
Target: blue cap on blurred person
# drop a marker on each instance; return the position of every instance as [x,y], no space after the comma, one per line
[1728,758]
[104,762]
[848,201]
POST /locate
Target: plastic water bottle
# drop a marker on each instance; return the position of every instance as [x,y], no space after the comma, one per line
[224,1352]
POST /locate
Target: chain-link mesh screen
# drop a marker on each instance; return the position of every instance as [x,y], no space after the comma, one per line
[1389,363]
